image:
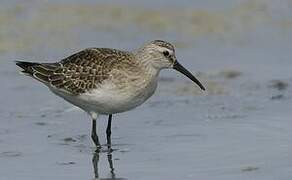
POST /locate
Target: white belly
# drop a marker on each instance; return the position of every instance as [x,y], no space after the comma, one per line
[108,99]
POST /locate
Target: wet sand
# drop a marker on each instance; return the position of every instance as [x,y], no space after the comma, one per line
[239,129]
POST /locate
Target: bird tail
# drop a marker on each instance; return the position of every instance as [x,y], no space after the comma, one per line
[44,72]
[27,67]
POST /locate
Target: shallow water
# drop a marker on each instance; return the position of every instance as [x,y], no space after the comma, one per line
[239,129]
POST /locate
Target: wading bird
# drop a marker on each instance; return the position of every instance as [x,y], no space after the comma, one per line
[107,81]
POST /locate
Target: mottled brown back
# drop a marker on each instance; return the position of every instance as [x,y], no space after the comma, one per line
[79,72]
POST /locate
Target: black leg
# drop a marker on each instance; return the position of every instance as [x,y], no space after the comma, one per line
[93,134]
[108,129]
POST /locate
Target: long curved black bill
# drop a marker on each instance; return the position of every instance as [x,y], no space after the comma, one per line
[177,66]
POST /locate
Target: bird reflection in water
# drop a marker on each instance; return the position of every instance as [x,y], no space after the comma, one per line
[95,161]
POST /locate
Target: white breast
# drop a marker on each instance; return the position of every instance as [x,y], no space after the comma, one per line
[109,99]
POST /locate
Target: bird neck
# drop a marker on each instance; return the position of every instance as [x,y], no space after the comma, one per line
[144,59]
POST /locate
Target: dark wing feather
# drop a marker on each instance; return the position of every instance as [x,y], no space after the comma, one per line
[79,72]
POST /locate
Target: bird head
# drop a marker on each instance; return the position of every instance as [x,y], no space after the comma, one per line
[161,55]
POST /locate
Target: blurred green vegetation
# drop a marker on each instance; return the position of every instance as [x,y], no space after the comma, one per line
[24,27]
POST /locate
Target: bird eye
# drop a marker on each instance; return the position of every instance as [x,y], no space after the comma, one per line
[166,53]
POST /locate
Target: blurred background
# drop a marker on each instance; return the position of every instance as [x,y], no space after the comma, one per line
[240,128]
